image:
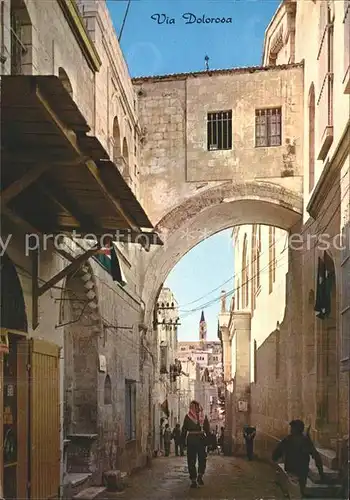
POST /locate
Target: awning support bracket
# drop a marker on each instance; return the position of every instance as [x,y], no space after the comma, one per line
[38,290]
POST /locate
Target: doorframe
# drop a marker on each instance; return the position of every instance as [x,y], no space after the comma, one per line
[22,424]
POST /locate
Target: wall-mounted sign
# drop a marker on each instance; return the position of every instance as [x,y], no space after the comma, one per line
[242,406]
[102,363]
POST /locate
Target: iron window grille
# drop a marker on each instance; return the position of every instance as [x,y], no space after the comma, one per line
[219,130]
[268,127]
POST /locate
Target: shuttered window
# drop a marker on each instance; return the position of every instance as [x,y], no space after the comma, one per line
[219,130]
[268,127]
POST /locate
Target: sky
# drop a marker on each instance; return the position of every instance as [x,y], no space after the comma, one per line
[153,47]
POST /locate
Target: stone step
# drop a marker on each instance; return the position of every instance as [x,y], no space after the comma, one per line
[313,489]
[332,476]
[329,458]
[90,493]
[321,490]
[76,478]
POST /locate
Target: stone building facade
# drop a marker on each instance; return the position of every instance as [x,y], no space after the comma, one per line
[88,327]
[166,394]
[300,370]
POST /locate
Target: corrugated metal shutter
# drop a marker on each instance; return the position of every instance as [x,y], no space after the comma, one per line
[44,420]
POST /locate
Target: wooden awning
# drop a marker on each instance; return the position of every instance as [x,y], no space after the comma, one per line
[53,175]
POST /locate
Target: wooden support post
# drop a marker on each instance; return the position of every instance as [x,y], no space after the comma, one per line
[35,289]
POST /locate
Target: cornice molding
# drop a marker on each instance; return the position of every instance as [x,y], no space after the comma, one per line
[76,23]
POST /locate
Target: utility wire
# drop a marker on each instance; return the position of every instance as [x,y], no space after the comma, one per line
[324,211]
[123,24]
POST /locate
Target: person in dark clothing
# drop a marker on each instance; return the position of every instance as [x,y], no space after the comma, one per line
[178,440]
[221,439]
[249,434]
[167,440]
[296,450]
[196,431]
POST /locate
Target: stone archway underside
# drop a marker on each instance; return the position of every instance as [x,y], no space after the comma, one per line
[210,212]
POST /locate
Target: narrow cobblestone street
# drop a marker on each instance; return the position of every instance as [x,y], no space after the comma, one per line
[228,478]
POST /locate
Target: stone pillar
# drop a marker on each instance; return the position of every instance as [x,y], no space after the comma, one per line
[227,353]
[241,391]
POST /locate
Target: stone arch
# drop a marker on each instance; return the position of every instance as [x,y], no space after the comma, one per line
[116,140]
[12,305]
[62,75]
[82,326]
[21,39]
[218,208]
[311,152]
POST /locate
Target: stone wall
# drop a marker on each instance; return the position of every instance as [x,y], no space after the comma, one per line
[173,112]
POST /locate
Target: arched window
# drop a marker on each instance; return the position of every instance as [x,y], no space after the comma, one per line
[62,75]
[116,140]
[108,391]
[125,154]
[311,106]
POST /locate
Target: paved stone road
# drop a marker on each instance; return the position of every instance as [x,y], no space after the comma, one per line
[227,478]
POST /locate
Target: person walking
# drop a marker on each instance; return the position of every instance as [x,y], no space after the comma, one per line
[249,434]
[296,450]
[195,432]
[178,440]
[167,440]
[221,439]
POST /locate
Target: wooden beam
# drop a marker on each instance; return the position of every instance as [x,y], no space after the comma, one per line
[112,201]
[119,235]
[58,196]
[21,184]
[68,134]
[74,265]
[73,143]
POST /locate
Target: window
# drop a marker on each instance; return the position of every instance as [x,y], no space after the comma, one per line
[163,359]
[268,128]
[108,391]
[130,410]
[219,130]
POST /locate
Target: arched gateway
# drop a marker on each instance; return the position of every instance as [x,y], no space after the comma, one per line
[219,148]
[212,211]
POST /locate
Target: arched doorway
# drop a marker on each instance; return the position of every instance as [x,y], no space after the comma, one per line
[13,381]
[125,154]
[81,329]
[116,140]
[81,321]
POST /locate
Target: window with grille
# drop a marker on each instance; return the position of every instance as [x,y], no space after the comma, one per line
[268,127]
[130,410]
[219,130]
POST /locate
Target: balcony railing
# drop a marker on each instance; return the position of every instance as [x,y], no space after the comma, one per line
[325,116]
